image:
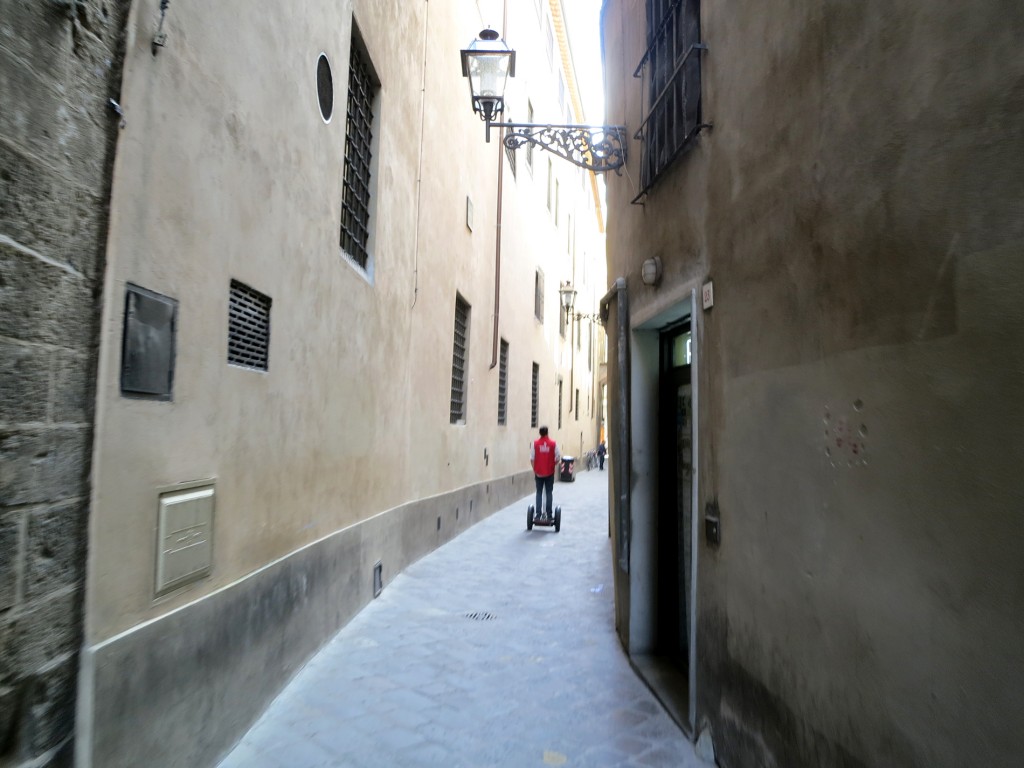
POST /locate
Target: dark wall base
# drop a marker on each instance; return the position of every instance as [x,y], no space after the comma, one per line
[181,690]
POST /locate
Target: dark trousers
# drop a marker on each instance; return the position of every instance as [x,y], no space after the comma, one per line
[600,461]
[545,485]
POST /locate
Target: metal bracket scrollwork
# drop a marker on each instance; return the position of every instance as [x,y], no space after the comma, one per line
[597,148]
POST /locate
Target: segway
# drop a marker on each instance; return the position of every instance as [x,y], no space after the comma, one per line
[532,519]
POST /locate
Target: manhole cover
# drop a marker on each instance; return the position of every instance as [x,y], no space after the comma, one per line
[481,616]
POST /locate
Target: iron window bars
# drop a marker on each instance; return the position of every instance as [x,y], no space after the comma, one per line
[503,383]
[535,396]
[355,205]
[671,65]
[460,349]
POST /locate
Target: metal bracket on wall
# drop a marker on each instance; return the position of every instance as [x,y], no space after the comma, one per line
[160,38]
[120,112]
[712,524]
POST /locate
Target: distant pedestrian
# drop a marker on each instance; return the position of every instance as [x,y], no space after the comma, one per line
[544,457]
[601,453]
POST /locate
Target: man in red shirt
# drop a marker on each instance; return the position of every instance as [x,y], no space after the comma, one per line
[544,458]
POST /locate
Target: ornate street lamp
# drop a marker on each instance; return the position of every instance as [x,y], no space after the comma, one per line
[488,63]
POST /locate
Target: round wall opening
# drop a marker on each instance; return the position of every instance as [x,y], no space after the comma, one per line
[325,87]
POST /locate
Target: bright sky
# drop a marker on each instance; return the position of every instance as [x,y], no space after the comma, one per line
[583,20]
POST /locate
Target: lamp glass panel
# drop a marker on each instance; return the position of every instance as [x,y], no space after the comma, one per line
[488,73]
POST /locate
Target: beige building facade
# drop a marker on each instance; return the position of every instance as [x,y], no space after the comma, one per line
[819,408]
[322,353]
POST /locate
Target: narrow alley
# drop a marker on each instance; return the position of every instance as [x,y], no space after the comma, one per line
[497,649]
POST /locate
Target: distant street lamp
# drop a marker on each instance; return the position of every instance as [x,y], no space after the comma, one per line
[488,63]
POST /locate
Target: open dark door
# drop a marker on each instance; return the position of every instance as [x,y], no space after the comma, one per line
[675,497]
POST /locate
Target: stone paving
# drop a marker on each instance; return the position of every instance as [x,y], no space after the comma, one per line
[498,649]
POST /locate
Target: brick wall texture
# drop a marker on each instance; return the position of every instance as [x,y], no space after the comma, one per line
[60,63]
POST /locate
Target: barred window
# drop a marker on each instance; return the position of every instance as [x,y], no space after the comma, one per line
[503,383]
[357,190]
[535,396]
[577,405]
[671,68]
[460,359]
[538,295]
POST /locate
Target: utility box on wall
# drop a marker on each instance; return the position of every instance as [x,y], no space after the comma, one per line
[184,535]
[147,355]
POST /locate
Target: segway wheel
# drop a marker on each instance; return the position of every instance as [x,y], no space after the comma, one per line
[529,518]
[558,519]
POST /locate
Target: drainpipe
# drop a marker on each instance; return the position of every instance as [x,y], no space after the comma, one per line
[621,432]
[497,229]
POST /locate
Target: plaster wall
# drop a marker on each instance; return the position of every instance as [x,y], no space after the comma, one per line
[333,458]
[857,204]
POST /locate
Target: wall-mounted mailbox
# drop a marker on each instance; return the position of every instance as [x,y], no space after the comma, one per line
[184,535]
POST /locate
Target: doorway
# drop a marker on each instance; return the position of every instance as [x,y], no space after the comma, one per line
[675,497]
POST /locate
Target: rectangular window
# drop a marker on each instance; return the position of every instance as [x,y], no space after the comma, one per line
[503,383]
[529,145]
[356,192]
[535,396]
[549,43]
[551,183]
[248,327]
[590,347]
[460,361]
[562,322]
[671,68]
[560,402]
[556,202]
[510,153]
[577,405]
[538,295]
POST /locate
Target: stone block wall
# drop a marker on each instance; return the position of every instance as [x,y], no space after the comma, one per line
[60,63]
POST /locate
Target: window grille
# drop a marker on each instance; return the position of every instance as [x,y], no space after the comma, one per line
[248,327]
[538,295]
[503,383]
[460,357]
[671,67]
[577,408]
[560,394]
[535,396]
[562,322]
[355,204]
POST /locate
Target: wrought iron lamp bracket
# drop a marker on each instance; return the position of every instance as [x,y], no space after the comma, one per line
[597,148]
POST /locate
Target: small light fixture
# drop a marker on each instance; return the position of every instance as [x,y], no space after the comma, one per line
[488,63]
[567,295]
[650,271]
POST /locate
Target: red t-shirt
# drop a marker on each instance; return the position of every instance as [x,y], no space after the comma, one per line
[543,456]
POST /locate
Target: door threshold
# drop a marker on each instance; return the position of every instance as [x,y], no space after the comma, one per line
[669,684]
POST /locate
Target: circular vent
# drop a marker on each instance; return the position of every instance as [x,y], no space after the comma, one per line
[325,87]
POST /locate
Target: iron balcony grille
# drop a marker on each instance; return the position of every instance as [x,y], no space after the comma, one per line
[671,66]
[355,205]
[248,327]
[459,356]
[503,383]
[535,395]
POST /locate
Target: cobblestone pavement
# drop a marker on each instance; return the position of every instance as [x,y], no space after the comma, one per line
[498,649]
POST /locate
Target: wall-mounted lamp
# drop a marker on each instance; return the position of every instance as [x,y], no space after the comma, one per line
[650,271]
[488,62]
[567,296]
